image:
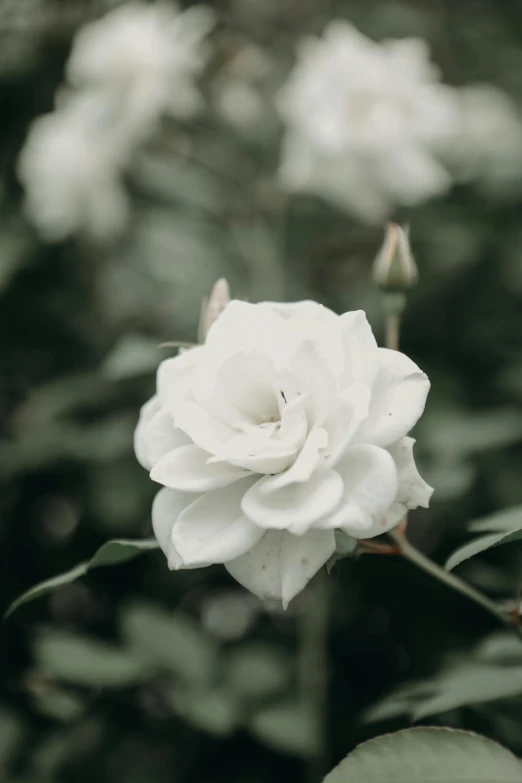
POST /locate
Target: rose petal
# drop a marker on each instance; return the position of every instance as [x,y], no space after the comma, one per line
[173,376]
[398,399]
[370,488]
[305,463]
[146,414]
[202,427]
[161,437]
[360,346]
[241,390]
[293,507]
[188,469]
[412,492]
[166,508]
[281,564]
[213,529]
[344,421]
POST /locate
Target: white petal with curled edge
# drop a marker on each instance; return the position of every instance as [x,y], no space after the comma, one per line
[249,327]
[360,347]
[166,508]
[187,469]
[160,436]
[305,463]
[344,421]
[281,564]
[173,375]
[147,412]
[370,488]
[202,427]
[295,507]
[241,390]
[413,491]
[319,342]
[398,399]
[213,529]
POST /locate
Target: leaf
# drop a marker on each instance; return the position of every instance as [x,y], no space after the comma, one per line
[132,356]
[111,553]
[170,641]
[256,671]
[214,711]
[428,755]
[11,733]
[507,520]
[492,672]
[481,544]
[84,661]
[345,546]
[289,727]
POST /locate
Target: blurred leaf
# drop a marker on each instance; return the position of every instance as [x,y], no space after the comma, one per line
[11,732]
[428,755]
[170,641]
[133,355]
[458,433]
[506,521]
[509,525]
[111,553]
[87,662]
[212,710]
[287,726]
[58,704]
[255,671]
[492,672]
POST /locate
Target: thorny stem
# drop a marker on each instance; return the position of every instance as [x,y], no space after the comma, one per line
[313,670]
[416,557]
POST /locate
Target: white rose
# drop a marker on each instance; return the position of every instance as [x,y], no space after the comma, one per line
[365,122]
[287,424]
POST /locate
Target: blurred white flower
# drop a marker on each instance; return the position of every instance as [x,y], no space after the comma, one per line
[488,144]
[72,179]
[365,122]
[287,424]
[151,54]
[125,70]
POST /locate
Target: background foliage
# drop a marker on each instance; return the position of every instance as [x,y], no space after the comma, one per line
[145,675]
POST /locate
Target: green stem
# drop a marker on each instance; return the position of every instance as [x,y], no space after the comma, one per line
[412,554]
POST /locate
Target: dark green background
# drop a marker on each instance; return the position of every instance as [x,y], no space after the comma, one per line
[79,326]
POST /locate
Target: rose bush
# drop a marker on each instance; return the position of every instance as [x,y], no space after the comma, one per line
[286,424]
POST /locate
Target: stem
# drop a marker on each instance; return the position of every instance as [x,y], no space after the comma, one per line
[393,305]
[412,554]
[313,669]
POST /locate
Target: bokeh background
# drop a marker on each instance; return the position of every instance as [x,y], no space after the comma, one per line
[138,674]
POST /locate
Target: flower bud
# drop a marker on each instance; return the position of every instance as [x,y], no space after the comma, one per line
[394,269]
[213,307]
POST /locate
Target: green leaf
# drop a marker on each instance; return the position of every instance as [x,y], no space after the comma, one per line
[481,544]
[87,662]
[215,711]
[257,671]
[506,521]
[111,553]
[492,672]
[289,727]
[428,755]
[170,641]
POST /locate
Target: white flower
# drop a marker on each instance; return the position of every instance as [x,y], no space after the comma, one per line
[488,145]
[72,176]
[365,122]
[126,70]
[287,424]
[150,52]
